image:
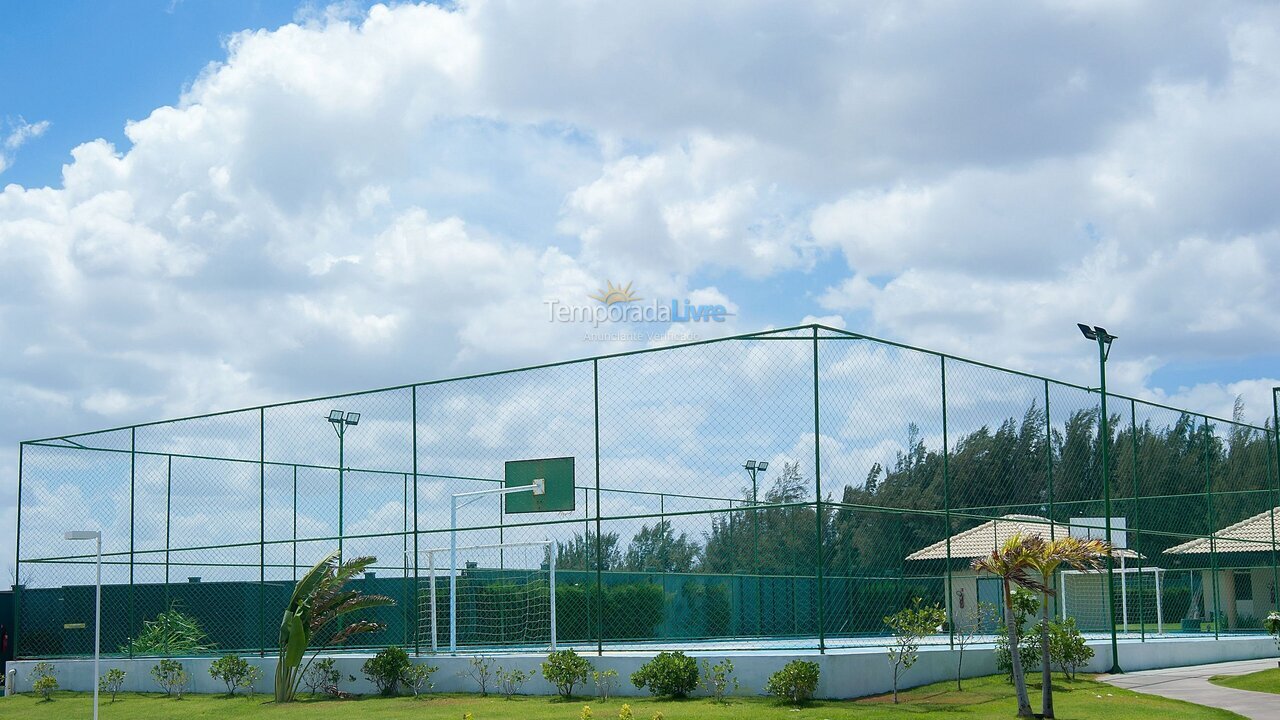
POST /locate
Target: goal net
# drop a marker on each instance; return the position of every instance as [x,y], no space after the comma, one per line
[497,595]
[1138,604]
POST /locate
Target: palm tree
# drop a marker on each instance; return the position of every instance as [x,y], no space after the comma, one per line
[1048,557]
[318,599]
[1012,563]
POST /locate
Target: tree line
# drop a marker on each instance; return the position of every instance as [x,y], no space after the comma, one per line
[1186,477]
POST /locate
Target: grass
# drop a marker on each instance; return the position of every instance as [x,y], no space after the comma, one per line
[982,698]
[1262,681]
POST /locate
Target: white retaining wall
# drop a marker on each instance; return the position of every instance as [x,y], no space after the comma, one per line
[845,673]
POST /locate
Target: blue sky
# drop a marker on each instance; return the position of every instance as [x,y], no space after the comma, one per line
[317,199]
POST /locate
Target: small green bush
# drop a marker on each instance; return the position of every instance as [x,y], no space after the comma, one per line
[322,677]
[43,679]
[606,682]
[111,682]
[481,670]
[797,681]
[171,678]
[386,669]
[511,681]
[235,672]
[671,674]
[566,669]
[418,678]
[1067,648]
[718,679]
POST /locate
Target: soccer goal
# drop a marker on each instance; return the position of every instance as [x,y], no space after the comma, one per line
[1138,604]
[499,595]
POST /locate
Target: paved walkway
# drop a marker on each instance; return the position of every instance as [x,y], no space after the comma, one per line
[1192,684]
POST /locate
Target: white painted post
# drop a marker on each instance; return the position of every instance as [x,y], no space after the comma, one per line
[1124,595]
[431,563]
[1159,605]
[551,566]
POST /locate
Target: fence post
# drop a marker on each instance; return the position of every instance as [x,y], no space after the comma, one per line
[17,558]
[817,486]
[417,643]
[133,465]
[1137,532]
[262,532]
[1213,534]
[1048,475]
[946,505]
[168,525]
[595,387]
[1274,469]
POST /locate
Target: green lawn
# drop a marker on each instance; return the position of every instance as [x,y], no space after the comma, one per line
[1261,681]
[983,698]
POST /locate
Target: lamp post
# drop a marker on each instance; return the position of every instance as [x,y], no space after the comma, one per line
[1103,339]
[752,467]
[341,421]
[97,606]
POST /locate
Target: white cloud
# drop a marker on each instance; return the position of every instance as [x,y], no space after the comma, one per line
[351,201]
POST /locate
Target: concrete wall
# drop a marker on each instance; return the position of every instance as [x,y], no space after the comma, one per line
[845,673]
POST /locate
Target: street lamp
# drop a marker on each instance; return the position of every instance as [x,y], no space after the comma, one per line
[97,607]
[1103,339]
[752,467]
[341,421]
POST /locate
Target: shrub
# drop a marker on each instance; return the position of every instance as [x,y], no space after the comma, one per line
[606,681]
[1067,648]
[671,674]
[625,712]
[481,670]
[718,679]
[235,672]
[322,676]
[418,678]
[171,632]
[44,679]
[171,678]
[1271,623]
[510,681]
[111,682]
[797,681]
[566,669]
[909,625]
[586,713]
[386,669]
[1025,606]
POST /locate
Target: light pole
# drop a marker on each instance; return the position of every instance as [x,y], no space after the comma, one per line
[752,467]
[1103,339]
[97,607]
[341,421]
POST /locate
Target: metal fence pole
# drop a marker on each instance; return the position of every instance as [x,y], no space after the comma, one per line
[1274,469]
[262,533]
[1213,545]
[946,503]
[595,385]
[168,525]
[417,642]
[817,485]
[17,558]
[133,465]
[1137,504]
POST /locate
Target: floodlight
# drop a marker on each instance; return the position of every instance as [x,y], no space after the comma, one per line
[335,416]
[1088,331]
[1106,336]
[764,465]
[82,535]
[751,465]
[353,418]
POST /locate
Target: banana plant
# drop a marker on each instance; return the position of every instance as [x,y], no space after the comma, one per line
[318,599]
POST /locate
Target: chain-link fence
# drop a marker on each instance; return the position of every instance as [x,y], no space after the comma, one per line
[890,469]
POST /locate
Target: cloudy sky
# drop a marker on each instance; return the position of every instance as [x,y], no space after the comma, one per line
[212,205]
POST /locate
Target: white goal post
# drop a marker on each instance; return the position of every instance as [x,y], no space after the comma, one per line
[540,572]
[1082,591]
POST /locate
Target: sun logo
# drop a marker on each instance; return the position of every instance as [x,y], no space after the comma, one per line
[615,294]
